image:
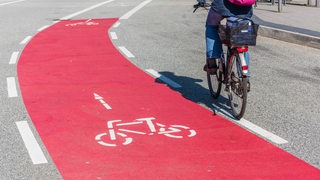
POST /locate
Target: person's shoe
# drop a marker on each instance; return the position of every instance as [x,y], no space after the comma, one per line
[211,70]
[211,66]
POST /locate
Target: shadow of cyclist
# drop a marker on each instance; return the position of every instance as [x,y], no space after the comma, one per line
[193,91]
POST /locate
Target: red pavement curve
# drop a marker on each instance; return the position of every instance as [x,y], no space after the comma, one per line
[70,76]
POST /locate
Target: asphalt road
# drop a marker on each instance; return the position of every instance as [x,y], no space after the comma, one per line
[167,37]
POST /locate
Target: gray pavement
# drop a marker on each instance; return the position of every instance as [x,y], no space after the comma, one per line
[296,23]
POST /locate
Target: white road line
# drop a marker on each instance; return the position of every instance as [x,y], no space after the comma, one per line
[14,57]
[126,52]
[25,40]
[134,10]
[255,129]
[262,132]
[117,24]
[163,78]
[2,4]
[43,28]
[33,148]
[113,35]
[12,88]
[85,10]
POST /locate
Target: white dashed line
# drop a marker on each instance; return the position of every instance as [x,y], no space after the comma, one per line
[14,58]
[113,35]
[12,88]
[134,10]
[163,78]
[33,148]
[117,24]
[126,52]
[25,40]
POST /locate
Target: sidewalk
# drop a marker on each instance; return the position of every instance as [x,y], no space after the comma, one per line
[295,24]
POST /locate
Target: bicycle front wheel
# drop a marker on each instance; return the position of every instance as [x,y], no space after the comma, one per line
[215,81]
[238,88]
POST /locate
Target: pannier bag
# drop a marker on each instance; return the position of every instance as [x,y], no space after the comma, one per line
[238,32]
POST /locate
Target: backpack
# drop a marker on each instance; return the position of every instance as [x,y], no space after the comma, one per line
[243,2]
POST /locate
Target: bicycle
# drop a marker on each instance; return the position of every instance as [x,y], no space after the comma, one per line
[233,68]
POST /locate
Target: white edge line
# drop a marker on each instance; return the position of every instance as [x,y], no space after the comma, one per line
[25,40]
[2,4]
[256,129]
[14,57]
[264,133]
[85,10]
[163,78]
[33,148]
[134,10]
[113,35]
[126,52]
[43,28]
[12,88]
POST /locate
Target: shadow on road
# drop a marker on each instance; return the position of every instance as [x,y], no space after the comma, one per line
[193,91]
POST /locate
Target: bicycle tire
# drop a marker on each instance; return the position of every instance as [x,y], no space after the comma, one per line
[215,81]
[238,87]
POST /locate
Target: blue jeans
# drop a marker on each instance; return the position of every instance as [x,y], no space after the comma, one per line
[213,43]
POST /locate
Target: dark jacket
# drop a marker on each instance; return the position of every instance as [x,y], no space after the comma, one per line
[227,9]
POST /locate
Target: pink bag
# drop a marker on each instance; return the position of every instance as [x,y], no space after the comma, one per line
[243,2]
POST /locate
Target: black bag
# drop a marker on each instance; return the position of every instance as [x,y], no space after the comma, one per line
[238,32]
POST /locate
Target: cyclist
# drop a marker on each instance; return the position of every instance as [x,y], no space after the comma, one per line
[219,10]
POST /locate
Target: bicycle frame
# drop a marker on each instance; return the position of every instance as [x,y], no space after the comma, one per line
[227,64]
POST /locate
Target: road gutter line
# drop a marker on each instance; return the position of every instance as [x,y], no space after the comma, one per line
[33,148]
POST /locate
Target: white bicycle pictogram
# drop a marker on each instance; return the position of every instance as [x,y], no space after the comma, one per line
[87,23]
[117,135]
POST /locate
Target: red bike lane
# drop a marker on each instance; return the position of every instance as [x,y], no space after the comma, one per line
[101,117]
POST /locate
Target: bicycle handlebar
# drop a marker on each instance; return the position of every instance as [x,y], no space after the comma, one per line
[200,4]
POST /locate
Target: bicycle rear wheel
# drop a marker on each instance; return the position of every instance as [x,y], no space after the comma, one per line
[238,88]
[215,81]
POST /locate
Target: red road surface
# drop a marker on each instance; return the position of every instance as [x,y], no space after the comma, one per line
[71,72]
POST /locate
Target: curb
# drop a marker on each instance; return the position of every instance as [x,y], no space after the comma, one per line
[288,36]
